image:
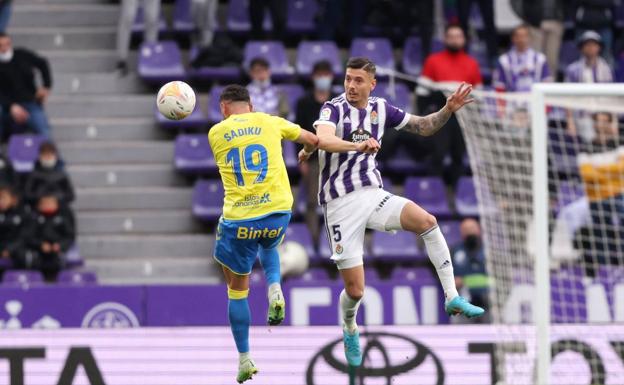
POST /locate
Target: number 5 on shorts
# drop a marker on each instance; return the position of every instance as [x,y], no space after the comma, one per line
[336,232]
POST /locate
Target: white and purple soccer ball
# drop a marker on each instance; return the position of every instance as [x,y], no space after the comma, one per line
[176,100]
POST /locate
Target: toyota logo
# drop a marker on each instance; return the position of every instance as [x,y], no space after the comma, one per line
[387,368]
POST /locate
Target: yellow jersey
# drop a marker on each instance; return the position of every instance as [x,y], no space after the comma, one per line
[248,151]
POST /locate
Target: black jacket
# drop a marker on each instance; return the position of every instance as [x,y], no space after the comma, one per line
[7,174]
[58,228]
[534,12]
[594,14]
[48,181]
[17,77]
[13,230]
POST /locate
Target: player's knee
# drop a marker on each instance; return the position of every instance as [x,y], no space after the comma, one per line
[355,292]
[429,222]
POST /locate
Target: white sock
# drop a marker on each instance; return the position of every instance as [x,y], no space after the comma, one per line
[242,357]
[275,289]
[440,257]
[349,308]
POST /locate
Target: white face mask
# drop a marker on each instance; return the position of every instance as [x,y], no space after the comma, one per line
[6,57]
[48,163]
[262,83]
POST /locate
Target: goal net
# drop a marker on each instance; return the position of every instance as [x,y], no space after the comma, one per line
[548,169]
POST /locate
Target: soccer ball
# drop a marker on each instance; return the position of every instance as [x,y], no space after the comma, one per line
[176,100]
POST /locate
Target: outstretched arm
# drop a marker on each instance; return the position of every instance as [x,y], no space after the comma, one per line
[430,124]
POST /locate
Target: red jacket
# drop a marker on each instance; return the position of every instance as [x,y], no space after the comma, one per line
[445,66]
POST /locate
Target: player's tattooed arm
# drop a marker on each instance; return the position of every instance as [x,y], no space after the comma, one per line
[430,124]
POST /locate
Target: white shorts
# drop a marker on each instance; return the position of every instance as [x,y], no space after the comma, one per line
[348,217]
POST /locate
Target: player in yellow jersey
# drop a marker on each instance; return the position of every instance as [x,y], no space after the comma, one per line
[247,147]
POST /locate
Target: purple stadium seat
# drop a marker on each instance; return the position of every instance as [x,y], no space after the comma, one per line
[292,93]
[73,257]
[371,274]
[238,17]
[420,274]
[225,73]
[193,154]
[450,230]
[567,54]
[399,96]
[195,120]
[182,17]
[387,184]
[274,52]
[619,69]
[22,277]
[298,232]
[214,111]
[208,199]
[139,23]
[315,275]
[475,18]
[412,56]
[311,52]
[324,247]
[429,193]
[289,151]
[466,197]
[23,151]
[400,162]
[619,15]
[77,277]
[301,16]
[400,246]
[161,62]
[5,264]
[379,50]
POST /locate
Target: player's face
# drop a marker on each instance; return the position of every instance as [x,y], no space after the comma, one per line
[358,85]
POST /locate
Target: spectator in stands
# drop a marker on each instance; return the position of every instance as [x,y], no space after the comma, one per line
[48,177]
[278,9]
[307,111]
[486,7]
[469,263]
[52,234]
[450,65]
[545,21]
[129,9]
[521,66]
[21,102]
[265,96]
[13,226]
[8,177]
[596,15]
[589,68]
[5,14]
[341,18]
[601,166]
[205,18]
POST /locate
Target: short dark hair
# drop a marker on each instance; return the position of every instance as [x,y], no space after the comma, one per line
[451,26]
[47,146]
[598,113]
[259,61]
[235,93]
[322,66]
[3,35]
[8,188]
[362,63]
[519,27]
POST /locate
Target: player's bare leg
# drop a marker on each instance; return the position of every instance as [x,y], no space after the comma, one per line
[240,319]
[350,299]
[415,219]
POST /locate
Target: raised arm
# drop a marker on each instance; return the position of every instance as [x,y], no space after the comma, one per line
[328,141]
[430,124]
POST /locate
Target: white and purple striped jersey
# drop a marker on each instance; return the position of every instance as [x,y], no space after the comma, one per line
[342,173]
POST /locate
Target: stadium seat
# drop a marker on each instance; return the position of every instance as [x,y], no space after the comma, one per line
[450,230]
[77,277]
[292,93]
[314,274]
[161,62]
[139,23]
[371,274]
[289,151]
[379,50]
[412,56]
[466,198]
[619,15]
[22,278]
[225,73]
[429,193]
[5,264]
[395,247]
[311,52]
[400,162]
[182,17]
[272,51]
[301,16]
[387,184]
[73,257]
[208,199]
[193,154]
[324,248]
[238,17]
[298,232]
[410,274]
[214,111]
[23,151]
[399,96]
[567,54]
[195,120]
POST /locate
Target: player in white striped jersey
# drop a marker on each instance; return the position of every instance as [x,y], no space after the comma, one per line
[351,192]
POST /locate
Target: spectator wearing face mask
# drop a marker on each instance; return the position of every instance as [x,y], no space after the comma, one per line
[469,263]
[13,226]
[307,112]
[265,97]
[48,177]
[52,233]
